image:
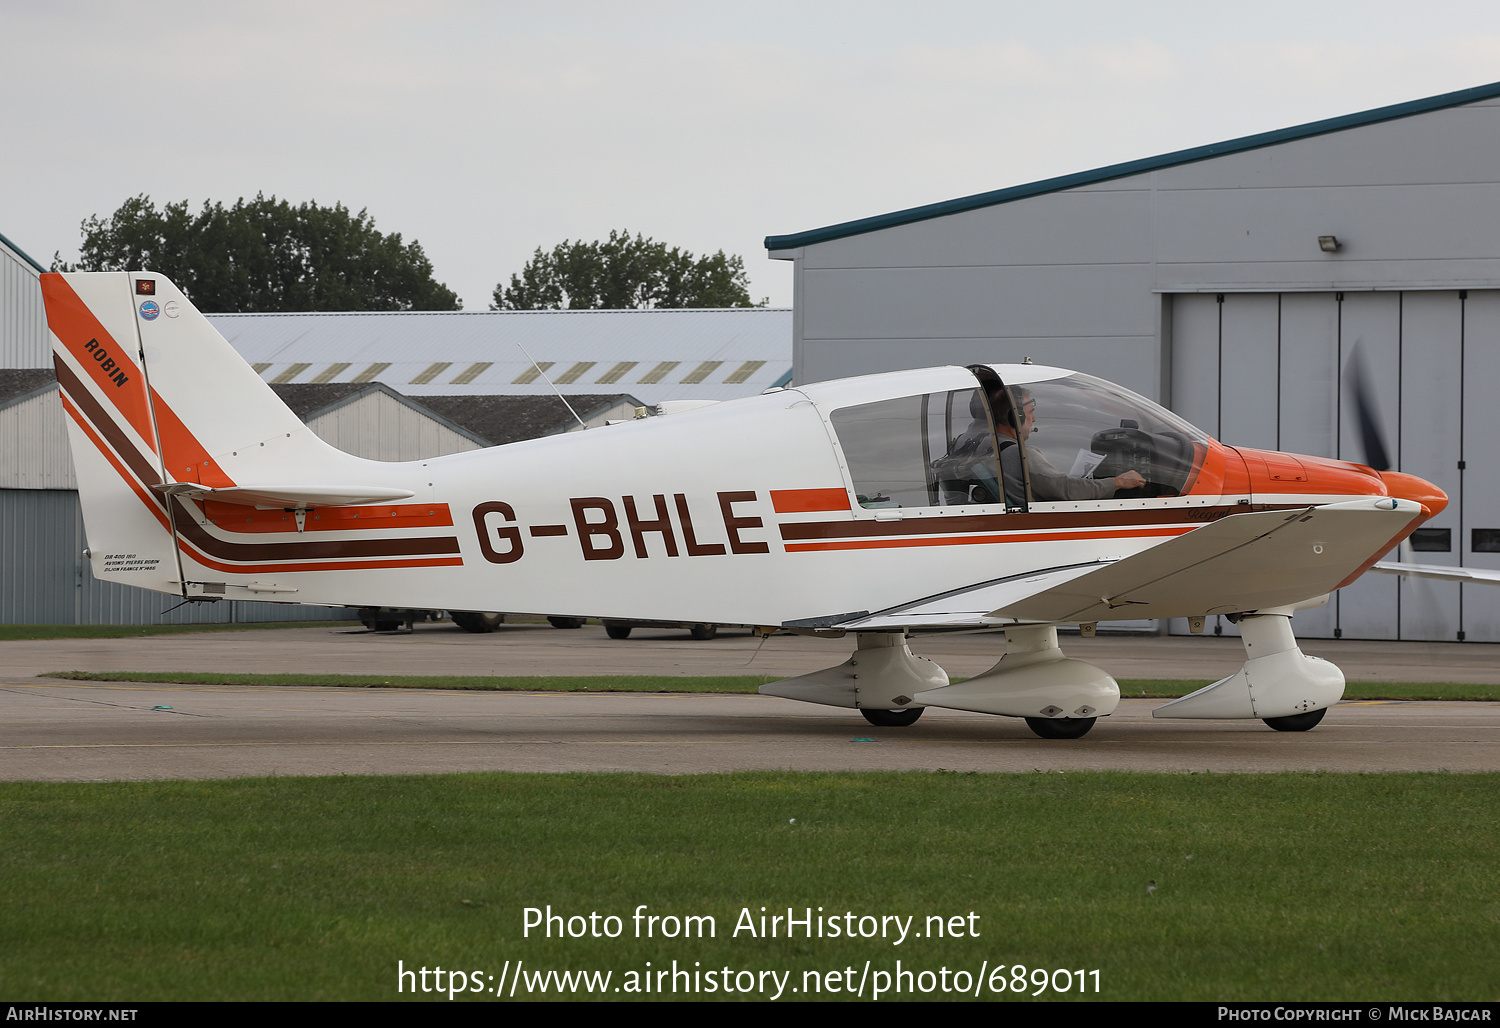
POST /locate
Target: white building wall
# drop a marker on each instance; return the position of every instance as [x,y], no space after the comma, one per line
[35,454]
[380,427]
[23,322]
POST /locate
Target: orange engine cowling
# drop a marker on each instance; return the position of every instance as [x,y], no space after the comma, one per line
[1410,487]
[1287,477]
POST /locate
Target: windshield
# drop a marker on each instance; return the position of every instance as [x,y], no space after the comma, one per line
[1080,438]
[1084,438]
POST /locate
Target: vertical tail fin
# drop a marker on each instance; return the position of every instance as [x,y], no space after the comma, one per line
[167,421]
[116,454]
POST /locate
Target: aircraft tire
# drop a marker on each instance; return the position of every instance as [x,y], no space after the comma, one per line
[477,621]
[1061,727]
[1296,722]
[705,631]
[892,718]
[617,631]
[558,621]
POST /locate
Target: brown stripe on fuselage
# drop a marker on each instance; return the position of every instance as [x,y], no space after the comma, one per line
[1018,522]
[188,526]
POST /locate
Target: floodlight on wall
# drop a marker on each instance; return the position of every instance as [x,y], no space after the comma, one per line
[1329,244]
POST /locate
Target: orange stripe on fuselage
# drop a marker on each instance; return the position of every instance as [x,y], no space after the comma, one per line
[234,517]
[808,501]
[75,326]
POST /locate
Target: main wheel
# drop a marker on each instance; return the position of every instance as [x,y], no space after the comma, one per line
[615,630]
[557,621]
[1061,727]
[892,718]
[477,621]
[1296,722]
[705,631]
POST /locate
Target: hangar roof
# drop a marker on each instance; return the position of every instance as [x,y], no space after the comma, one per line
[655,355]
[312,401]
[1114,171]
[509,419]
[18,383]
[22,254]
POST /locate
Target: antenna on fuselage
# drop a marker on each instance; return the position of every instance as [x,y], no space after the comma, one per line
[556,390]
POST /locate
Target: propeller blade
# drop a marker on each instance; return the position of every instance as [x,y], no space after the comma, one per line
[1377,455]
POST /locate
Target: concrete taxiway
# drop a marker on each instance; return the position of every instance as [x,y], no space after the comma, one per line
[59,730]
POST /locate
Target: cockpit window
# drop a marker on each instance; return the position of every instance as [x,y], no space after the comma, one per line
[928,450]
[1079,438]
[1084,438]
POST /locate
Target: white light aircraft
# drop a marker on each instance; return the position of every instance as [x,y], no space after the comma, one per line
[1013,497]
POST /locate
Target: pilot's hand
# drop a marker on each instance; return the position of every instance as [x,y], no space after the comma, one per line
[1129,480]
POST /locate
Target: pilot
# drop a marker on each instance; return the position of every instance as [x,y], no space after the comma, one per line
[968,473]
[1047,483]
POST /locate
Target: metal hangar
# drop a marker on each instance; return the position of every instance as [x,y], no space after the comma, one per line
[1231,282]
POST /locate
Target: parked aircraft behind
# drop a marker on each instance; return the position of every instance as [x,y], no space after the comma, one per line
[1013,497]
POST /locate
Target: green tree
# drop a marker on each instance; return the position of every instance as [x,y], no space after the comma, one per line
[265,255]
[623,272]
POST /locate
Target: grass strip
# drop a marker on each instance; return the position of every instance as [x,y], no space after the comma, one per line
[1175,887]
[1130,688]
[10,632]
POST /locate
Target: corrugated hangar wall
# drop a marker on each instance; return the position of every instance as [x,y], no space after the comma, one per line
[1120,272]
[46,581]
[1269,370]
[23,322]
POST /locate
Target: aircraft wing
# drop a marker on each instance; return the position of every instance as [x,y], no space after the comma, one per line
[970,607]
[1238,563]
[1475,576]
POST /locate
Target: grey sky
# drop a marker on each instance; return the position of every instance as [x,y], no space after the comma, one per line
[485,130]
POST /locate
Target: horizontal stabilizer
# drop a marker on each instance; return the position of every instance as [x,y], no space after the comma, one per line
[1476,576]
[282,496]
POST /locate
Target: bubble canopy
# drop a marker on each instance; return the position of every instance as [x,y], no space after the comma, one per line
[1020,434]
